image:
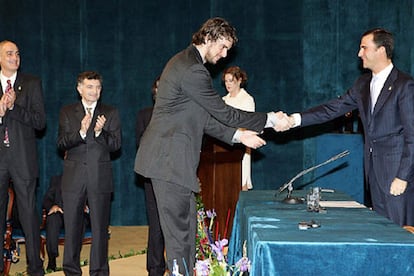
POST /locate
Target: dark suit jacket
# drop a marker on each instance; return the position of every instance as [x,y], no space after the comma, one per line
[27,116]
[187,106]
[143,119]
[94,152]
[389,130]
[53,194]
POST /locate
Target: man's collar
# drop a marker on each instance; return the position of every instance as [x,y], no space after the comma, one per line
[384,72]
[86,105]
[12,77]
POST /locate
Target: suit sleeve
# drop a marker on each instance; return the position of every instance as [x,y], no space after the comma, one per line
[406,111]
[197,84]
[68,136]
[110,136]
[29,107]
[50,197]
[220,131]
[331,109]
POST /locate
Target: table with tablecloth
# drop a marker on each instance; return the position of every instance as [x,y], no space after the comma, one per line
[349,241]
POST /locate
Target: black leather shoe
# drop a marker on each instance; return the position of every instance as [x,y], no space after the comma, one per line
[52,264]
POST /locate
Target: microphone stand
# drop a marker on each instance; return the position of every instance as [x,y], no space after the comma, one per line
[289,185]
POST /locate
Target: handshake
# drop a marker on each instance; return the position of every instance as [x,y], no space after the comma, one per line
[281,121]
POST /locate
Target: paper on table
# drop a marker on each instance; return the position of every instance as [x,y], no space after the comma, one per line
[342,204]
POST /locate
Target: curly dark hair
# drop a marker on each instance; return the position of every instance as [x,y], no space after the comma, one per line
[213,29]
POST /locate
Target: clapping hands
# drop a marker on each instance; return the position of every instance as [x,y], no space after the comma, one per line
[7,101]
[3,105]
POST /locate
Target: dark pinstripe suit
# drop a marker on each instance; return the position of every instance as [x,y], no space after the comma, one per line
[389,139]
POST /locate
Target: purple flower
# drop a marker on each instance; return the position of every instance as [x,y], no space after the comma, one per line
[201,213]
[217,248]
[243,264]
[202,267]
[211,214]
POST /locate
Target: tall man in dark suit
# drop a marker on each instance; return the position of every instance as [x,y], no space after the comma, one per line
[385,100]
[21,113]
[186,108]
[89,131]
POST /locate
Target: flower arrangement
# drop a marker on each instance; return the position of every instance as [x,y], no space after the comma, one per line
[211,253]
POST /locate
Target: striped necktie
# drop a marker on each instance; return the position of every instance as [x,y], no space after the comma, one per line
[6,140]
[89,110]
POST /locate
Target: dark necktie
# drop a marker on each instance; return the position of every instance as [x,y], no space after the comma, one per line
[6,140]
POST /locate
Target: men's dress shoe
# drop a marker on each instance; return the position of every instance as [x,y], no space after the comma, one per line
[52,264]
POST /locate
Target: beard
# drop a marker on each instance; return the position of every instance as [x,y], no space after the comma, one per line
[211,58]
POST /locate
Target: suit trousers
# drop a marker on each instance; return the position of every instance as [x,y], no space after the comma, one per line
[28,216]
[99,207]
[399,209]
[177,210]
[155,253]
[54,222]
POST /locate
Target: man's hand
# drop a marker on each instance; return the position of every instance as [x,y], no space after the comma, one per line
[283,122]
[100,122]
[10,98]
[55,209]
[85,123]
[292,121]
[250,139]
[3,106]
[398,187]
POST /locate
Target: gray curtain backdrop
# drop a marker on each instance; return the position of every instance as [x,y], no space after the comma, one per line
[297,53]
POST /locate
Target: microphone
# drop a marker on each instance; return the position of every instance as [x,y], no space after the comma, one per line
[289,185]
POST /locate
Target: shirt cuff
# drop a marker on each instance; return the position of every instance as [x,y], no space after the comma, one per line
[271,120]
[236,136]
[298,119]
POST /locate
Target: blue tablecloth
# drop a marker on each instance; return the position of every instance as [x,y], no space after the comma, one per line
[350,241]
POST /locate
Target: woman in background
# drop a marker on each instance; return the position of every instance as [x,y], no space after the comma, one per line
[235,80]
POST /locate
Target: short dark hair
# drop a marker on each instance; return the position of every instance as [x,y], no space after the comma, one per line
[89,75]
[384,38]
[213,29]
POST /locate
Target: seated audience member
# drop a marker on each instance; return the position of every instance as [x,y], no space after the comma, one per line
[52,203]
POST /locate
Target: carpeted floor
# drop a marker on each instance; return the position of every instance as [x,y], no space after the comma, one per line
[125,241]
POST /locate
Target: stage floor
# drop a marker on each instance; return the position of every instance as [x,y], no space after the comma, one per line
[124,239]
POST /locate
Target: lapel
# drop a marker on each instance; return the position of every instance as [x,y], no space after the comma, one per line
[386,90]
[366,98]
[18,85]
[79,112]
[97,111]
